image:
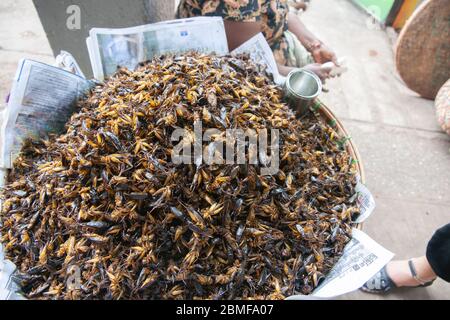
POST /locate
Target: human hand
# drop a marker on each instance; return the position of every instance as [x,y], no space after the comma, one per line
[322,72]
[321,54]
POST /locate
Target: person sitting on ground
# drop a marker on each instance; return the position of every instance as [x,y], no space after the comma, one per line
[293,45]
[417,272]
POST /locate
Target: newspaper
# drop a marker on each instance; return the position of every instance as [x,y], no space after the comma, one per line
[260,52]
[10,295]
[9,287]
[7,271]
[65,60]
[365,202]
[361,260]
[42,99]
[109,48]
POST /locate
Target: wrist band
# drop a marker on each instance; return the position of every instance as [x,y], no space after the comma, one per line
[314,45]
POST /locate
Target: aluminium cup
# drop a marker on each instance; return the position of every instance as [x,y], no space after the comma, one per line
[300,90]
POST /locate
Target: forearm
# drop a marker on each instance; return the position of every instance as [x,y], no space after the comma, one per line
[284,70]
[296,26]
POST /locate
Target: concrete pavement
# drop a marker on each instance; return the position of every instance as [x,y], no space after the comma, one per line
[21,36]
[405,154]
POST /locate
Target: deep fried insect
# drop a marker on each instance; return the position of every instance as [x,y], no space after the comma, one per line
[105,196]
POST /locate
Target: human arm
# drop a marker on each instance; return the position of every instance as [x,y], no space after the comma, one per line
[239,32]
[320,52]
[321,72]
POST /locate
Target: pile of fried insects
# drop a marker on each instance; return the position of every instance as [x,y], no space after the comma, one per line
[105,196]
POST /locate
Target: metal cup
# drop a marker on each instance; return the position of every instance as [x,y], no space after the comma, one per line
[300,89]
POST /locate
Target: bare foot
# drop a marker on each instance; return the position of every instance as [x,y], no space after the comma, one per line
[401,275]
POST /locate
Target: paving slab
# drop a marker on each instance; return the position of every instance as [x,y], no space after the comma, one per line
[405,153]
[21,36]
[21,30]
